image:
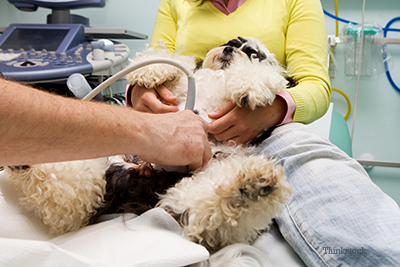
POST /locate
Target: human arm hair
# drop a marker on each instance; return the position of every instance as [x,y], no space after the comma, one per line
[39,127]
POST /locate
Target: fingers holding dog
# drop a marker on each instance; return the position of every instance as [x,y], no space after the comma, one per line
[236,125]
[158,100]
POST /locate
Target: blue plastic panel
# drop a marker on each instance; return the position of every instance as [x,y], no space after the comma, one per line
[63,40]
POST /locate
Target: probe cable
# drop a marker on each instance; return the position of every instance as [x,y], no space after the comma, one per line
[191,95]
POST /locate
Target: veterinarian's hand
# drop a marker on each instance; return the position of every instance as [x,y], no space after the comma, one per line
[177,139]
[158,100]
[241,124]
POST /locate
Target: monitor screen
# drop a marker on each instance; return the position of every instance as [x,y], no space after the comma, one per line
[38,39]
[66,4]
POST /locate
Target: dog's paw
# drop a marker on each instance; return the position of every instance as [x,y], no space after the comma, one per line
[156,74]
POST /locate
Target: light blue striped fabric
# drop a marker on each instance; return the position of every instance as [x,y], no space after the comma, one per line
[336,216]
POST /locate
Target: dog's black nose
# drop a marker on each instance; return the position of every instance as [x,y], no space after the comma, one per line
[228,50]
[266,190]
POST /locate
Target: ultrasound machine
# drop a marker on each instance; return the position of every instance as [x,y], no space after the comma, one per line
[45,55]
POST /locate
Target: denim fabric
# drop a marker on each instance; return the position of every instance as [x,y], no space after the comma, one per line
[336,216]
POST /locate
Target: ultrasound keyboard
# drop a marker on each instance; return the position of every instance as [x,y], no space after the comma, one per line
[34,53]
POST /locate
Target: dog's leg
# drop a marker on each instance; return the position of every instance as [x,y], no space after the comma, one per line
[64,195]
[252,84]
[154,75]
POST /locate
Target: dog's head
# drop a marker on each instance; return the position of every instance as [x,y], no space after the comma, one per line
[249,48]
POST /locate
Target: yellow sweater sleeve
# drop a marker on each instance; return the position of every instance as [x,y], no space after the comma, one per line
[298,38]
[165,26]
[306,58]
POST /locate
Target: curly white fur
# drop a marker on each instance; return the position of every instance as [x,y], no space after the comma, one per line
[246,82]
[229,200]
[158,74]
[236,255]
[65,194]
[259,81]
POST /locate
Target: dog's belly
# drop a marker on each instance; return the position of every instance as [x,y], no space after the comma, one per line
[210,92]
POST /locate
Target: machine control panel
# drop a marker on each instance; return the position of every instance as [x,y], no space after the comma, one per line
[33,53]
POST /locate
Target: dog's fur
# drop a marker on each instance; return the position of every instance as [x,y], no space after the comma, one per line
[64,195]
[242,71]
[229,201]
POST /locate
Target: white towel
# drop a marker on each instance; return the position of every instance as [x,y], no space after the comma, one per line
[152,239]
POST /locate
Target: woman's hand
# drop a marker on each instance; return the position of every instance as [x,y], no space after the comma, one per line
[241,124]
[158,100]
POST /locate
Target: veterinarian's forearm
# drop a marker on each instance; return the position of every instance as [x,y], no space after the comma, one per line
[39,127]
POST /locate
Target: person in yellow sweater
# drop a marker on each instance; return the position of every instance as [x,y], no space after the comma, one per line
[293,35]
[335,206]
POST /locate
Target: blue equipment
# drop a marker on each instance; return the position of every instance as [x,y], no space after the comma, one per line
[49,53]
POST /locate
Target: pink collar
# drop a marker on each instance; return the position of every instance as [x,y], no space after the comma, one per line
[232,5]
